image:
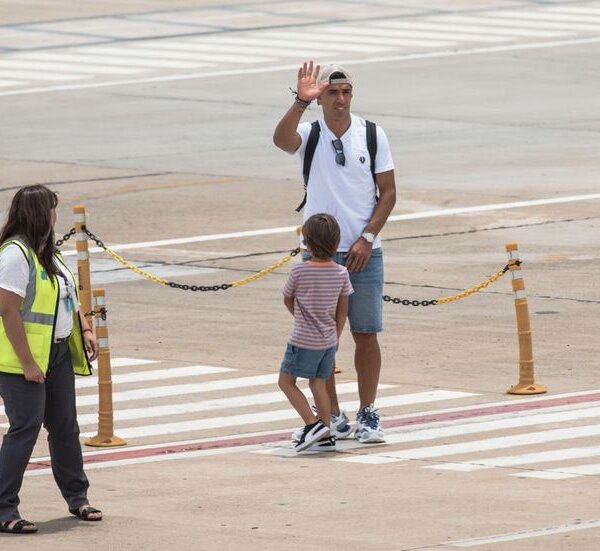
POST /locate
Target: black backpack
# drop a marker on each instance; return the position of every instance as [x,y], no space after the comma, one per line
[311,146]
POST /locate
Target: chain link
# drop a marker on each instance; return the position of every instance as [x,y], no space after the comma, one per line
[269,269]
[65,237]
[185,286]
[457,296]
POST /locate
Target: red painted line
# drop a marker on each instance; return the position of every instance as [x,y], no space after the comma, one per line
[284,435]
[490,410]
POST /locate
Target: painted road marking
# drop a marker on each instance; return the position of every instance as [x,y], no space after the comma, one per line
[288,67]
[502,442]
[254,441]
[262,399]
[394,218]
[523,459]
[155,375]
[562,473]
[472,27]
[508,23]
[525,534]
[273,416]
[341,43]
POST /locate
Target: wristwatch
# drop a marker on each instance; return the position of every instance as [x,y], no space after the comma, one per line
[368,237]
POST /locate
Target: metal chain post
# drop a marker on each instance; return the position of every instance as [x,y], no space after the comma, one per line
[526,384]
[83,259]
[105,437]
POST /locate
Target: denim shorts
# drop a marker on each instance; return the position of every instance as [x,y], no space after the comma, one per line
[307,363]
[365,311]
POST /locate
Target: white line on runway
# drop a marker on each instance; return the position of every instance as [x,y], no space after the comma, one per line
[265,398]
[562,473]
[390,28]
[541,16]
[497,422]
[37,75]
[154,459]
[272,416]
[524,534]
[509,23]
[377,36]
[475,446]
[393,218]
[155,375]
[56,65]
[523,459]
[288,67]
[128,362]
[452,27]
[341,43]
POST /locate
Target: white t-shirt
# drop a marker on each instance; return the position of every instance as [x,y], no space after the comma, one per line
[346,192]
[14,277]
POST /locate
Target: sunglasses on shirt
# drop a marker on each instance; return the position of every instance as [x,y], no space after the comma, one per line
[340,158]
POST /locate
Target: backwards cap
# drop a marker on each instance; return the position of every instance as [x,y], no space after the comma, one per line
[334,74]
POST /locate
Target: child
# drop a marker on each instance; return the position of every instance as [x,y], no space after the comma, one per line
[316,294]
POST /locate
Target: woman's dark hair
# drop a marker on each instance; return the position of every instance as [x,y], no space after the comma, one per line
[321,234]
[30,218]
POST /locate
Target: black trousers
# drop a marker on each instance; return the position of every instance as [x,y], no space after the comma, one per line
[27,406]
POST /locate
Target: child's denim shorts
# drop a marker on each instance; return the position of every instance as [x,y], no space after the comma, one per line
[365,307]
[307,363]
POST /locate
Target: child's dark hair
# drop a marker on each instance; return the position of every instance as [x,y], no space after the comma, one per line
[321,234]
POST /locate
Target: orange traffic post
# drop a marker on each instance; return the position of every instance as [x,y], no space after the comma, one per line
[105,436]
[83,259]
[526,384]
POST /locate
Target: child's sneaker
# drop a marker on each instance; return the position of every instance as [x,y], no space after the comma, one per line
[368,429]
[325,444]
[311,434]
[340,425]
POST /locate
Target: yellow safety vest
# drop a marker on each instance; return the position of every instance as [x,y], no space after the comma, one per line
[38,311]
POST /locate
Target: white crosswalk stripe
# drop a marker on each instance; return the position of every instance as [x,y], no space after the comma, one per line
[471,26]
[199,403]
[502,19]
[323,42]
[549,428]
[377,36]
[5,83]
[27,62]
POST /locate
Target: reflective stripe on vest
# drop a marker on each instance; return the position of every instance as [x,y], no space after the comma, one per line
[38,312]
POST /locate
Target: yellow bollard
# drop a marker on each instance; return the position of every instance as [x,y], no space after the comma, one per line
[83,260]
[526,384]
[105,436]
[336,368]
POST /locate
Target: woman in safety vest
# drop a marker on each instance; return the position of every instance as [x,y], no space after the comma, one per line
[43,342]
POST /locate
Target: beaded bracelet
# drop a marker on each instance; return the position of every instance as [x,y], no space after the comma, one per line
[302,102]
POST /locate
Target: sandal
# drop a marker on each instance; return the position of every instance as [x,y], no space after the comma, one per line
[18,526]
[85,511]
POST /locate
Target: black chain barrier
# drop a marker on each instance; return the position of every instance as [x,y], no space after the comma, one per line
[225,286]
[65,237]
[184,286]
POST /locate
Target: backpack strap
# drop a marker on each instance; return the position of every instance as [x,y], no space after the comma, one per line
[309,153]
[372,148]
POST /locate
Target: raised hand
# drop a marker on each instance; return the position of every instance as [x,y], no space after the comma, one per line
[307,87]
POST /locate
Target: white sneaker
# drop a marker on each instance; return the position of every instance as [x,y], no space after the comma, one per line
[368,430]
[311,434]
[340,425]
[325,444]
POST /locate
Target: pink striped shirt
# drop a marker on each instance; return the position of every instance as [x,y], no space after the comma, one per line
[316,288]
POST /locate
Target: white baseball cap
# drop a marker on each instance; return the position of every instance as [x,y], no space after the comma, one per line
[334,74]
